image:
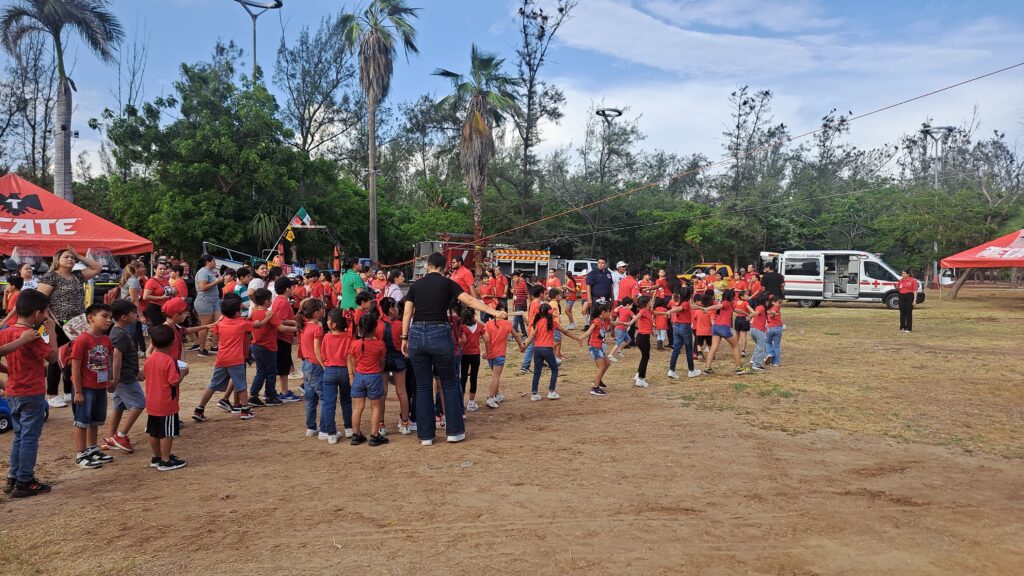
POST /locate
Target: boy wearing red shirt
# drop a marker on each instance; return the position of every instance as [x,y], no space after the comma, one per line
[496,333]
[27,354]
[281,310]
[366,362]
[661,321]
[624,319]
[90,374]
[163,379]
[235,333]
[596,332]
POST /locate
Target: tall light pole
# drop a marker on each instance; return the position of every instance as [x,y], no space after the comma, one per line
[938,135]
[260,7]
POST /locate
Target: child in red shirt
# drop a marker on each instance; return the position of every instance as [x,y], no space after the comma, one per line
[366,361]
[91,355]
[235,334]
[661,321]
[596,332]
[395,363]
[624,318]
[311,334]
[542,335]
[644,329]
[496,333]
[163,379]
[472,333]
[334,349]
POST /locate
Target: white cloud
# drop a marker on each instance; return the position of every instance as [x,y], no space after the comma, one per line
[774,15]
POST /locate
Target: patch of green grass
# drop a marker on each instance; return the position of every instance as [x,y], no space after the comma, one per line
[740,386]
[776,390]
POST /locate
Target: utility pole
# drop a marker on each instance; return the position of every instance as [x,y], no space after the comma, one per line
[937,136]
[261,6]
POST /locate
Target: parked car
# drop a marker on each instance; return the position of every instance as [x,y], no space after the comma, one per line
[5,415]
[703,266]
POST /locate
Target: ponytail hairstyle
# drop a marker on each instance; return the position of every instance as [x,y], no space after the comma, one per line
[544,312]
[368,326]
[728,295]
[336,317]
[387,304]
[468,317]
[307,309]
[129,271]
[685,293]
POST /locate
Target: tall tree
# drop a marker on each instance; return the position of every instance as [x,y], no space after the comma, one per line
[376,32]
[489,95]
[540,100]
[36,77]
[98,28]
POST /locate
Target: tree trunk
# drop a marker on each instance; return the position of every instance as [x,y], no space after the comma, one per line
[478,231]
[62,148]
[372,133]
[960,281]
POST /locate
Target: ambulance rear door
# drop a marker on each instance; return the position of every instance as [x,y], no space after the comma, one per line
[804,275]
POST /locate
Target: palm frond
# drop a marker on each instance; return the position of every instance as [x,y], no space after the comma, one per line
[16,22]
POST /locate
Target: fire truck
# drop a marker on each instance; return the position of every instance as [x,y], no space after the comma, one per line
[506,258]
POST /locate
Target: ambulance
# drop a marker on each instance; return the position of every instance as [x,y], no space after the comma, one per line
[816,276]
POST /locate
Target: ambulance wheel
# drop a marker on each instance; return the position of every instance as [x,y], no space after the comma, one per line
[892,301]
[809,303]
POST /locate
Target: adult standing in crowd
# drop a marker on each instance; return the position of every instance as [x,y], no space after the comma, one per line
[462,276]
[65,287]
[393,289]
[618,274]
[131,290]
[500,286]
[259,279]
[351,285]
[207,303]
[600,286]
[428,343]
[907,287]
[773,283]
[27,277]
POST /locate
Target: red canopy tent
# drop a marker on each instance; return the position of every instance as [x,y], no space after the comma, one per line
[33,217]
[1003,252]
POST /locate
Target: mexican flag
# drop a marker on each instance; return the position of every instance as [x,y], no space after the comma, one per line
[301,219]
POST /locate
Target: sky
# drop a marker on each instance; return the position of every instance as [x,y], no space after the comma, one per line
[671,63]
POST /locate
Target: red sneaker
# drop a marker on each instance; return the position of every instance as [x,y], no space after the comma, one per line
[108,444]
[122,443]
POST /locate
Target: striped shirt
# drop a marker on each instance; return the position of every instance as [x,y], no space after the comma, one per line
[243,291]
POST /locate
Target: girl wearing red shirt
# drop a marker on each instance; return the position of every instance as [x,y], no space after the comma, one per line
[311,334]
[759,330]
[571,296]
[542,335]
[721,329]
[742,322]
[334,348]
[496,333]
[682,328]
[395,363]
[366,361]
[624,319]
[595,333]
[661,321]
[774,335]
[469,340]
[644,329]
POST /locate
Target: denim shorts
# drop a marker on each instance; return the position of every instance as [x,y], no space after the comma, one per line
[129,396]
[368,386]
[395,362]
[492,362]
[558,336]
[94,411]
[621,336]
[221,375]
[721,330]
[597,352]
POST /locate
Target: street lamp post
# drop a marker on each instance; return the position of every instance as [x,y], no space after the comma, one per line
[938,136]
[260,7]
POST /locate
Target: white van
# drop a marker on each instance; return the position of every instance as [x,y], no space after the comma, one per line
[816,276]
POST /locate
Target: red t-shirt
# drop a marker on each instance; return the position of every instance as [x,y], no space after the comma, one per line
[570,292]
[487,294]
[623,314]
[180,287]
[176,344]
[334,348]
[723,316]
[597,334]
[553,283]
[281,310]
[646,287]
[232,332]
[702,323]
[754,288]
[759,319]
[162,380]
[156,286]
[645,322]
[500,285]
[628,287]
[743,308]
[311,331]
[396,333]
[699,286]
[497,332]
[25,366]
[464,278]
[907,285]
[299,292]
[544,337]
[9,303]
[95,354]
[740,285]
[775,321]
[472,345]
[684,315]
[663,288]
[531,313]
[368,354]
[661,321]
[266,335]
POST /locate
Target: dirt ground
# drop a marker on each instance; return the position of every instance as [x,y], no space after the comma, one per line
[867,452]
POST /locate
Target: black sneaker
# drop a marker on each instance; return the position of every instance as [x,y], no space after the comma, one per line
[9,486]
[85,460]
[255,401]
[378,440]
[172,464]
[174,458]
[236,409]
[101,457]
[203,352]
[214,349]
[272,401]
[154,461]
[193,348]
[246,413]
[358,439]
[598,391]
[602,384]
[199,414]
[31,488]
[224,405]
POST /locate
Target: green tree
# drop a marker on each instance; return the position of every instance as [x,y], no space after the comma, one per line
[98,28]
[376,32]
[488,96]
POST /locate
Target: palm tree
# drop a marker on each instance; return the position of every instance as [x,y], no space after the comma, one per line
[95,24]
[488,96]
[375,32]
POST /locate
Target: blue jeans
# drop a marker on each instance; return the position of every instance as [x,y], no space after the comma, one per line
[431,347]
[266,371]
[682,338]
[760,346]
[774,344]
[527,358]
[544,355]
[335,386]
[519,323]
[27,413]
[312,390]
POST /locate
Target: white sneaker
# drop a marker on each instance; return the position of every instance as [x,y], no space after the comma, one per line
[322,436]
[457,437]
[310,433]
[636,377]
[348,432]
[553,395]
[693,373]
[332,439]
[500,398]
[641,383]
[403,429]
[535,397]
[612,358]
[427,442]
[492,403]
[672,374]
[412,426]
[572,326]
[558,361]
[472,406]
[57,402]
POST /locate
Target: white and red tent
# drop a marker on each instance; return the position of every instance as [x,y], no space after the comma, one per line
[31,216]
[1003,252]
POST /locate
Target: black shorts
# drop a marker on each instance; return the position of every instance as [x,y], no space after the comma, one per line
[702,341]
[163,426]
[284,358]
[395,362]
[741,324]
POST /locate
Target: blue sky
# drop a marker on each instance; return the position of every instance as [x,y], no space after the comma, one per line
[672,62]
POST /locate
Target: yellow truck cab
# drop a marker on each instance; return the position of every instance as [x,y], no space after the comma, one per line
[688,275]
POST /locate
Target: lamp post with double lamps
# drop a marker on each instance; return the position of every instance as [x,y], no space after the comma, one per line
[255,8]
